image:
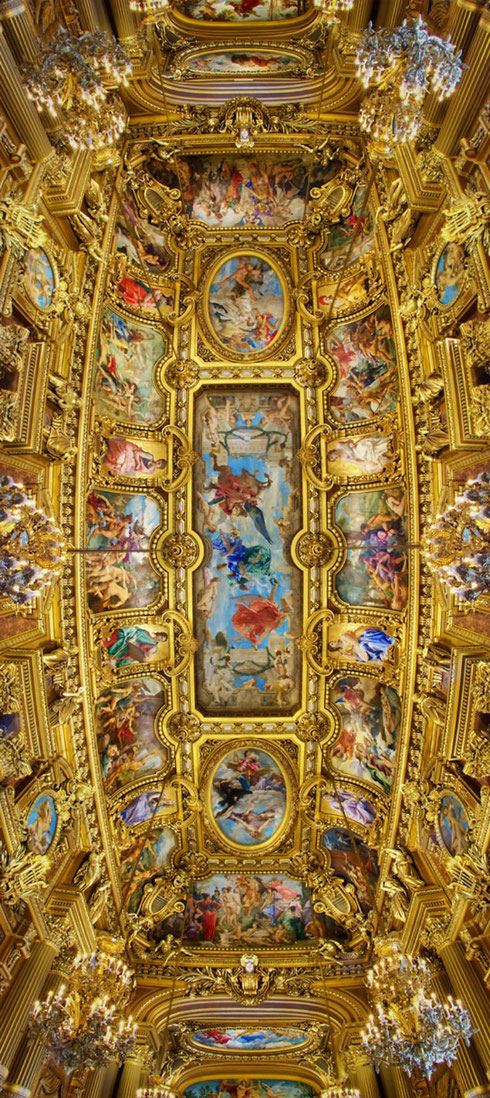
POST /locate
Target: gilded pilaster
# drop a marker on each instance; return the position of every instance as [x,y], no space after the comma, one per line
[396,1083]
[111,1072]
[391,14]
[463,17]
[469,987]
[94,1087]
[366,1080]
[19,1001]
[471,93]
[18,107]
[20,30]
[360,15]
[125,20]
[467,1068]
[129,1079]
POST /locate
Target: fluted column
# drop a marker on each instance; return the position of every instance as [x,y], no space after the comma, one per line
[94,1087]
[358,18]
[18,108]
[366,1080]
[20,30]
[125,19]
[94,16]
[470,95]
[391,13]
[469,987]
[463,17]
[19,1001]
[129,1079]
[111,1072]
[462,980]
[26,1068]
[395,1083]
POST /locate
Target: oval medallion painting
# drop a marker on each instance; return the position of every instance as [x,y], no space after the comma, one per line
[246,304]
[453,823]
[39,278]
[450,272]
[248,797]
[41,824]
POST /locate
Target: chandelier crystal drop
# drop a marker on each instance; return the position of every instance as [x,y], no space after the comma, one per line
[76,79]
[411,1028]
[340,1090]
[401,65]
[84,1025]
[457,543]
[157,1091]
[32,548]
[333,9]
[148,7]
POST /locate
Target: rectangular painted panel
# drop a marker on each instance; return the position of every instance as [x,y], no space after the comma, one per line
[247,591]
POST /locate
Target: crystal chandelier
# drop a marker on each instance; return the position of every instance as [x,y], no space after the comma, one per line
[83,1026]
[339,1090]
[333,9]
[32,548]
[157,1091]
[411,1029]
[71,80]
[149,7]
[401,65]
[457,543]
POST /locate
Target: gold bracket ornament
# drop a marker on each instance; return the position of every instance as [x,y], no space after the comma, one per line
[22,874]
[311,643]
[183,458]
[480,410]
[185,643]
[310,457]
[311,373]
[250,984]
[312,727]
[316,550]
[21,226]
[184,727]
[13,347]
[179,551]
[468,221]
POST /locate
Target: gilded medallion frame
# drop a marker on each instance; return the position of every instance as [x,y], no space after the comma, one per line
[210,768]
[207,329]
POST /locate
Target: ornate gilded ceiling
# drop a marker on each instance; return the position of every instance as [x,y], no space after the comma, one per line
[241,422]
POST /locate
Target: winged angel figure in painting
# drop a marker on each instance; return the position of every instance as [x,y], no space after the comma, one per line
[247,510]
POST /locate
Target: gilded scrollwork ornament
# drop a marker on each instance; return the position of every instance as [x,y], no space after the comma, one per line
[480,410]
[184,727]
[183,373]
[179,550]
[311,373]
[467,221]
[13,348]
[22,874]
[316,550]
[250,984]
[312,727]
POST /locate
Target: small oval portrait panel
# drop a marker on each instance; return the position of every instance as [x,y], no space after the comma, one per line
[41,824]
[248,797]
[453,824]
[246,304]
[39,278]
[450,273]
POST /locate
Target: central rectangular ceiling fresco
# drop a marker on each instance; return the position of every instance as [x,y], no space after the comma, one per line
[247,590]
